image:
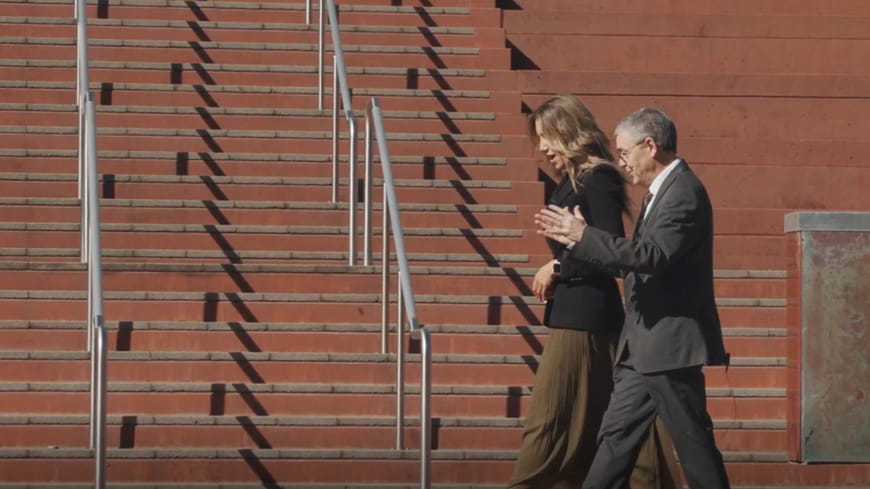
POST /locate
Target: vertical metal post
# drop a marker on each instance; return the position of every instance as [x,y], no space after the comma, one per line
[367,198]
[334,130]
[400,368]
[320,49]
[425,408]
[385,277]
[351,192]
[307,12]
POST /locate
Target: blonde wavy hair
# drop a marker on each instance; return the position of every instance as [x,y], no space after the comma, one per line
[570,127]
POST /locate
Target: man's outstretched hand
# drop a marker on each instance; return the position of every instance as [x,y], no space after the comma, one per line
[560,224]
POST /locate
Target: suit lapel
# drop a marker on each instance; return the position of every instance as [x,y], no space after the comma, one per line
[562,193]
[651,212]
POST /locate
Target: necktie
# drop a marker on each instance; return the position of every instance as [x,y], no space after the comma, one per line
[646,199]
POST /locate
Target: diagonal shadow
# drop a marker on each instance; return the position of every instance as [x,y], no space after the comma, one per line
[196,9]
[256,465]
[200,51]
[429,36]
[206,97]
[462,191]
[451,126]
[434,57]
[244,337]
[203,73]
[206,117]
[209,140]
[249,370]
[453,144]
[444,100]
[198,31]
[256,407]
[425,16]
[212,165]
[251,429]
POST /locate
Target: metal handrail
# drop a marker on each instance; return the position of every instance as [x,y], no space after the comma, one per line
[97,336]
[405,294]
[340,85]
[81,20]
[91,253]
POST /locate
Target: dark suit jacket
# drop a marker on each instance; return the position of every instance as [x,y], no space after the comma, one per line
[671,320]
[588,301]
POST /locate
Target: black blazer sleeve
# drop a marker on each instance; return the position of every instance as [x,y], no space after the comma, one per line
[680,223]
[602,203]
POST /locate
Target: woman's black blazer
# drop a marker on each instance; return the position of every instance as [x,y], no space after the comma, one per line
[588,301]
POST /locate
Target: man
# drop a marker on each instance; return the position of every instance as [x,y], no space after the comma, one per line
[671,325]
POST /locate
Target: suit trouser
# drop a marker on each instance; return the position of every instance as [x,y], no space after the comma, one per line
[571,391]
[678,397]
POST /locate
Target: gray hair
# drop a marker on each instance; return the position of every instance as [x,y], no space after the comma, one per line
[649,122]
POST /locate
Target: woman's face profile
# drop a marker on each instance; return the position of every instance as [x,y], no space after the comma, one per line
[546,147]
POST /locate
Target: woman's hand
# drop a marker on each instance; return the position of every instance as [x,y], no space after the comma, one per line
[542,285]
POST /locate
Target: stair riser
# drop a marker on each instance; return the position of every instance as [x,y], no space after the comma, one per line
[231,280]
[196,32]
[500,311]
[487,58]
[271,217]
[206,120]
[458,374]
[326,342]
[108,95]
[208,75]
[519,193]
[733,224]
[319,437]
[475,17]
[352,471]
[195,164]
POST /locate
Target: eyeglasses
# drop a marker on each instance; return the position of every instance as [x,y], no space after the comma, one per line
[623,154]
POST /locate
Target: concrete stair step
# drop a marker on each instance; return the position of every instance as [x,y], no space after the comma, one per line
[255,306]
[258,164]
[250,52]
[258,212]
[272,32]
[744,377]
[137,431]
[740,342]
[218,140]
[342,467]
[249,96]
[261,213]
[54,70]
[263,119]
[495,192]
[299,278]
[739,252]
[241,11]
[153,255]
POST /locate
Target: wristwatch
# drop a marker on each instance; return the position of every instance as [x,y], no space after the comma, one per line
[557,267]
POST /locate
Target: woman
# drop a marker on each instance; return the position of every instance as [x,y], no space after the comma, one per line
[574,379]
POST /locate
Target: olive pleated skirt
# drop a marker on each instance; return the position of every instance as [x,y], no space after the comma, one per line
[570,394]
